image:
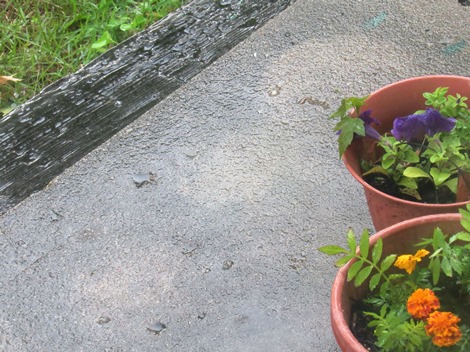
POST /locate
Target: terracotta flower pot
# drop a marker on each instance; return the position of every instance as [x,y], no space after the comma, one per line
[401,99]
[399,239]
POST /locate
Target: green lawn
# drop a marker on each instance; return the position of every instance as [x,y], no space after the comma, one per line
[44,40]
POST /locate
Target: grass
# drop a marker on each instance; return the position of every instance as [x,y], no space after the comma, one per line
[44,40]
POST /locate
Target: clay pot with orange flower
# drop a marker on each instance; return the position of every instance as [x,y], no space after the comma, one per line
[406,288]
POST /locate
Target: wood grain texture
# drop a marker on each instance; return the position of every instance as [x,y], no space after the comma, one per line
[74,115]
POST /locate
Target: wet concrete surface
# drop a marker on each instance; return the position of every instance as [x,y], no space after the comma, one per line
[196,227]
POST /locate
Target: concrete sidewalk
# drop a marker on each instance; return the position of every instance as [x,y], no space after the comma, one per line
[196,228]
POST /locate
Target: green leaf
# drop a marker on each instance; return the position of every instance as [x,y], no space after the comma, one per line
[384,310]
[452,184]
[377,251]
[343,260]
[348,127]
[374,281]
[446,267]
[364,244]
[372,323]
[351,238]
[408,182]
[436,270]
[104,40]
[415,172]
[411,156]
[463,236]
[347,105]
[373,315]
[438,238]
[411,192]
[113,23]
[436,253]
[376,170]
[424,242]
[136,22]
[439,176]
[362,275]
[6,110]
[332,250]
[456,265]
[387,262]
[393,277]
[354,269]
[383,289]
[126,27]
[388,160]
[465,222]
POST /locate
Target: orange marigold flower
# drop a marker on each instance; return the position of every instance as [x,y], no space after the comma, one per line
[421,303]
[442,326]
[408,261]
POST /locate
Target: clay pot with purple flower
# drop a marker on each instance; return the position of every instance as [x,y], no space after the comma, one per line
[408,144]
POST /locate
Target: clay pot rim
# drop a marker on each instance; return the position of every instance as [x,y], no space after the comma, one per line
[385,195]
[336,308]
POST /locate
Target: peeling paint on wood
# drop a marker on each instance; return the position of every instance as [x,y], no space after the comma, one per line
[79,112]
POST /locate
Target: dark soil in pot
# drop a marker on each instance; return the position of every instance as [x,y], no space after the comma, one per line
[426,192]
[361,332]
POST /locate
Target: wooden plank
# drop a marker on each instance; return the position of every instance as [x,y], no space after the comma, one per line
[74,115]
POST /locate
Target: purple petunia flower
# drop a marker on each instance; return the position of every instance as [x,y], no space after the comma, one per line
[368,120]
[416,127]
